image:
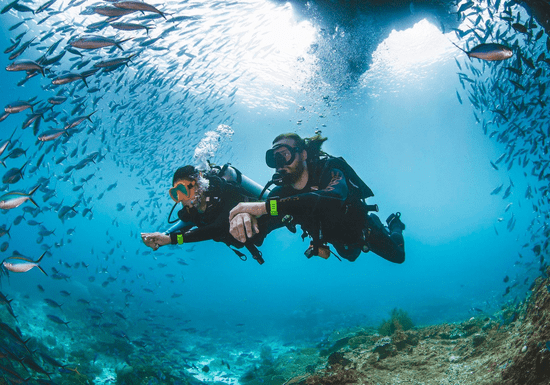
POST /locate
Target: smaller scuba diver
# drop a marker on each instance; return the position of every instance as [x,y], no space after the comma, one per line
[324,195]
[207,199]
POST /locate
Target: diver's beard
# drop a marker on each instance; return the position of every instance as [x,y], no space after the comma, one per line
[200,188]
[295,175]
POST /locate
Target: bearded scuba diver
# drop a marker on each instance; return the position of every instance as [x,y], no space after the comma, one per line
[206,198]
[326,197]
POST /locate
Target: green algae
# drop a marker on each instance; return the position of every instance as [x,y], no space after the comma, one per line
[399,320]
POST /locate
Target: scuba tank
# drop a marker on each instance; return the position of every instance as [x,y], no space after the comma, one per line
[231,175]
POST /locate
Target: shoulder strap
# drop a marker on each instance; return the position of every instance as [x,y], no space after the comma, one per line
[328,161]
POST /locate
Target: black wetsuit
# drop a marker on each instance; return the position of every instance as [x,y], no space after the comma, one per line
[330,209]
[213,223]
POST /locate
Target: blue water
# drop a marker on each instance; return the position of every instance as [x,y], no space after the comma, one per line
[400,126]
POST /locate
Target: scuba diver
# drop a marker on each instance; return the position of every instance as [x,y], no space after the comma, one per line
[207,198]
[324,195]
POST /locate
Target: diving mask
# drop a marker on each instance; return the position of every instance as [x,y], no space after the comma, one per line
[281,155]
[181,191]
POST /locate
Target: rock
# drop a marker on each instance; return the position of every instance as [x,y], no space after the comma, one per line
[478,339]
[384,348]
[489,325]
[124,370]
[472,326]
[454,359]
[339,344]
[402,339]
[338,358]
[357,341]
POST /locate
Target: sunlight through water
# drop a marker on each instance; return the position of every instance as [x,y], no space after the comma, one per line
[406,56]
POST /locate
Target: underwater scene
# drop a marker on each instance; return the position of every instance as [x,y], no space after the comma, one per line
[441,108]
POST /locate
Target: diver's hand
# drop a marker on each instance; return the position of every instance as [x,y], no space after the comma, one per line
[256,209]
[243,226]
[155,240]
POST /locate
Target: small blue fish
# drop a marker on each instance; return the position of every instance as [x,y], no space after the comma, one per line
[548,345]
[57,320]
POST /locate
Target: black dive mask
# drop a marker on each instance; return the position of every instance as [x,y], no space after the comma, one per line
[281,155]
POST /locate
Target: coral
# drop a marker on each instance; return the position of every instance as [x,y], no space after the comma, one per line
[399,320]
[384,348]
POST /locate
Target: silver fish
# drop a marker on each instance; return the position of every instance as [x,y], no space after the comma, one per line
[14,175]
[25,65]
[79,119]
[74,76]
[49,135]
[57,100]
[489,52]
[112,11]
[15,265]
[129,27]
[18,106]
[138,6]
[95,42]
[15,199]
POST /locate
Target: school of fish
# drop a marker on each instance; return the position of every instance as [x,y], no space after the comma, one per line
[108,77]
[510,101]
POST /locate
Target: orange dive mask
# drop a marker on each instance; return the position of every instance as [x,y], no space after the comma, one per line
[181,191]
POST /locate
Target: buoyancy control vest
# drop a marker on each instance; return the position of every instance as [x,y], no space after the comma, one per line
[358,188]
[249,189]
[358,192]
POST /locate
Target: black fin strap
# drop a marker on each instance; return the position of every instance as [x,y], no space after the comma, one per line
[256,254]
[333,253]
[242,256]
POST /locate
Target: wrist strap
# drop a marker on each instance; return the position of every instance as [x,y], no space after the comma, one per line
[273,207]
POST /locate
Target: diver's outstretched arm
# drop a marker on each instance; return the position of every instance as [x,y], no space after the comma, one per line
[155,240]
